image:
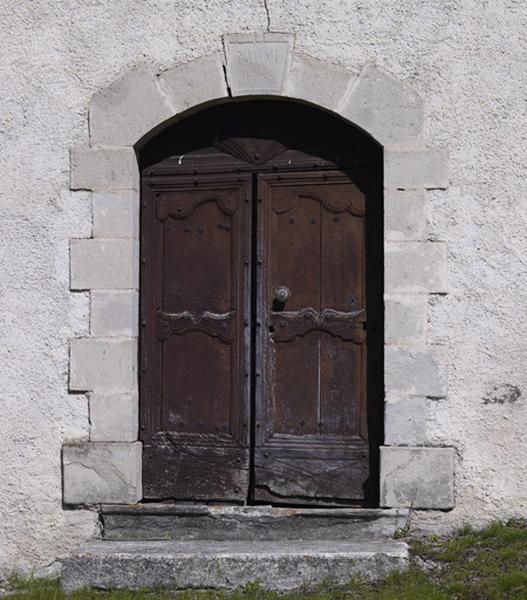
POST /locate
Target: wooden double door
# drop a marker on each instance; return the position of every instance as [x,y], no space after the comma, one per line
[254,338]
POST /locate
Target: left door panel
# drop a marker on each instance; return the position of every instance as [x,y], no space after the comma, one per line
[194,341]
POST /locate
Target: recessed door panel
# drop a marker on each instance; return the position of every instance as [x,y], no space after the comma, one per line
[197,385]
[294,390]
[196,280]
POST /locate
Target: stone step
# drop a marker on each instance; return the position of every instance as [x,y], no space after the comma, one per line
[192,522]
[278,565]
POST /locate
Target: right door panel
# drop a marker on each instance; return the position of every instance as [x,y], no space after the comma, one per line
[311,437]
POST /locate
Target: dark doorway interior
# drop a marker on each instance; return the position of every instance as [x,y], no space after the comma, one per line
[262,308]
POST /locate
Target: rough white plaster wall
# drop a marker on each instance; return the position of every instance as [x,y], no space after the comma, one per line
[466,58]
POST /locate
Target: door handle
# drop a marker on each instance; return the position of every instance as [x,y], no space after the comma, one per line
[282,294]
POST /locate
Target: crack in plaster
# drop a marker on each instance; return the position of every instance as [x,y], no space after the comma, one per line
[266,6]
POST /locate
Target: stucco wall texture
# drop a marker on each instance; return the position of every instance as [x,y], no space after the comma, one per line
[466,59]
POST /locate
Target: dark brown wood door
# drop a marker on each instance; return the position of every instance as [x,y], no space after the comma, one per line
[194,358]
[253,338]
[311,440]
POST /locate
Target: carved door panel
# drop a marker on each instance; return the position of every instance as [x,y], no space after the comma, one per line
[194,308]
[311,432]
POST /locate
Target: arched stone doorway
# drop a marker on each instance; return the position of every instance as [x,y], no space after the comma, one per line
[104,363]
[261,338]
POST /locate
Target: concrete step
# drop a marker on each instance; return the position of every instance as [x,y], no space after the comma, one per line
[193,522]
[278,565]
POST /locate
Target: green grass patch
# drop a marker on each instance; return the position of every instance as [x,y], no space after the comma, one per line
[473,565]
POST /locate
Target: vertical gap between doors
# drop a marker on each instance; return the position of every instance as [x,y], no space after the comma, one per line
[253,286]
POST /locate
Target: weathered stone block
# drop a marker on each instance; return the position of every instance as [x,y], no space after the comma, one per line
[315,81]
[116,214]
[408,168]
[114,313]
[415,267]
[103,364]
[102,472]
[113,417]
[405,319]
[416,372]
[257,63]
[384,107]
[417,477]
[128,109]
[195,82]
[106,264]
[405,420]
[103,169]
[278,565]
[404,215]
[221,523]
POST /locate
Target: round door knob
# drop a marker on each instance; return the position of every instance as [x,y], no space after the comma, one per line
[282,294]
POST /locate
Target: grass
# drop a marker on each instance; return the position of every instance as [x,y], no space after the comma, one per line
[473,565]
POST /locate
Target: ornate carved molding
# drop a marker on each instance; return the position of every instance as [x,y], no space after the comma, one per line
[220,325]
[347,325]
[352,202]
[183,205]
[254,151]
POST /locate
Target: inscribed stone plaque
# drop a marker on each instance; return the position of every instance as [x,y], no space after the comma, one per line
[258,62]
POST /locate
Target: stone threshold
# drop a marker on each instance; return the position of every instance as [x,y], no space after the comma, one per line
[227,522]
[156,508]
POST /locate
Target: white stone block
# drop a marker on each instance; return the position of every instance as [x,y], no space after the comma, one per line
[103,169]
[257,63]
[316,81]
[114,313]
[104,264]
[405,420]
[416,372]
[103,364]
[417,477]
[114,417]
[97,473]
[194,83]
[409,168]
[127,110]
[116,214]
[415,267]
[404,215]
[405,319]
[387,109]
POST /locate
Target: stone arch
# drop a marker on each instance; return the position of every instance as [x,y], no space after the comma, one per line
[107,468]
